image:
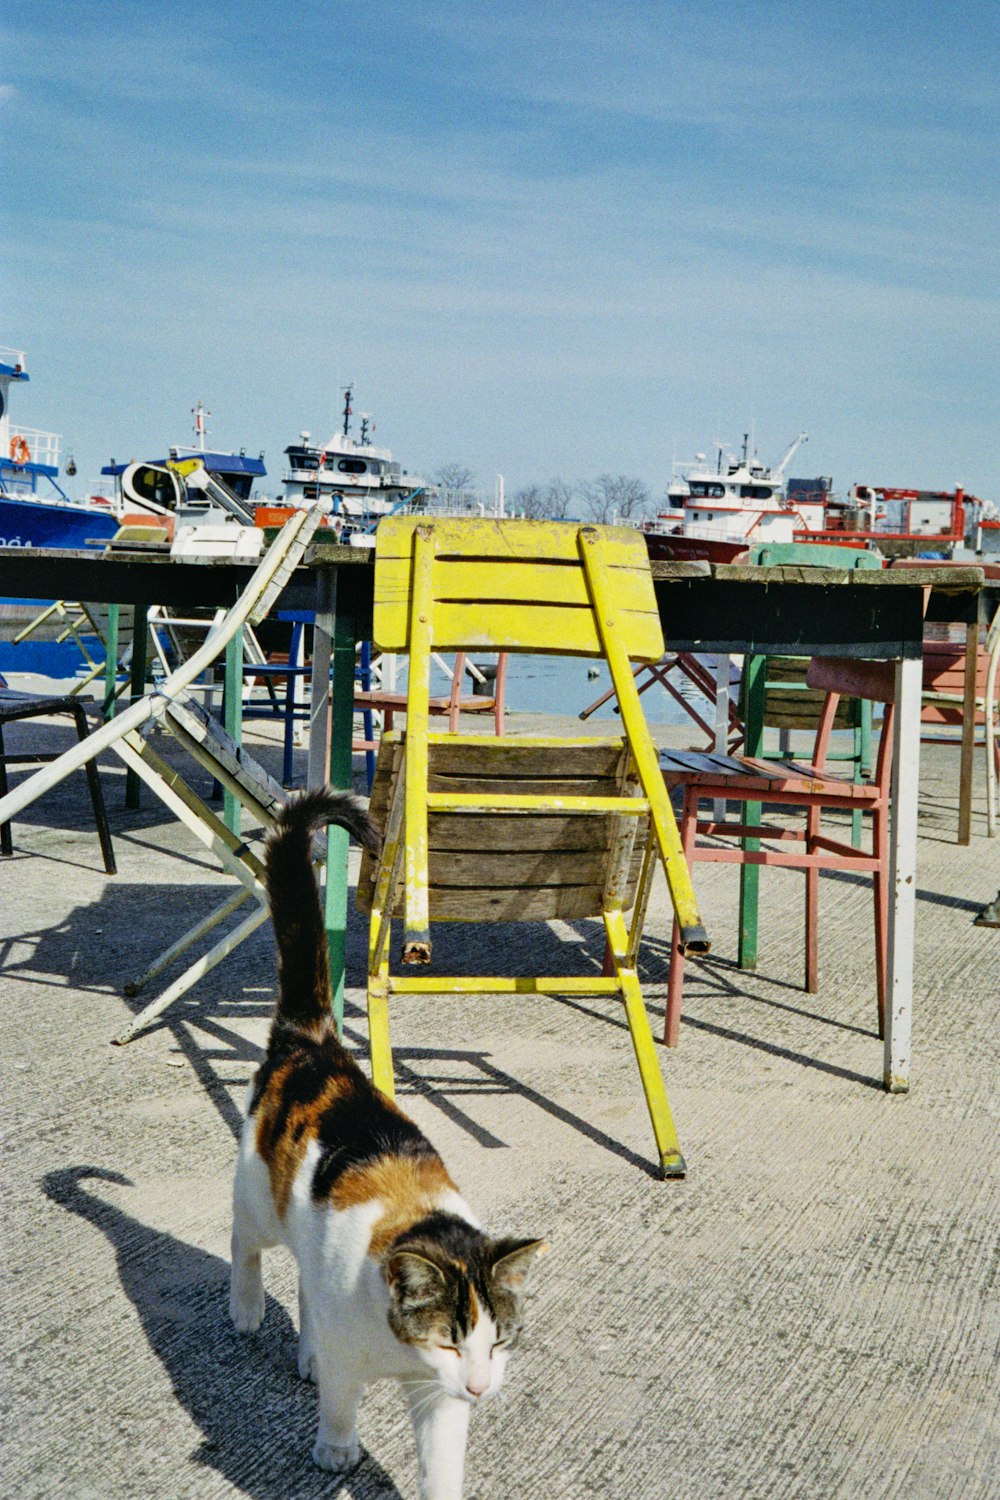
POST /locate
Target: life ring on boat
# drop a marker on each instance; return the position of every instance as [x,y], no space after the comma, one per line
[19,450]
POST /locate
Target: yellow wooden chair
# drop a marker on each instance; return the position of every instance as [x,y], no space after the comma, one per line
[523,829]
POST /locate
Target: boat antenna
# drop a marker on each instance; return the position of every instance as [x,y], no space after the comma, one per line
[348,409]
[746,439]
[199,413]
[366,417]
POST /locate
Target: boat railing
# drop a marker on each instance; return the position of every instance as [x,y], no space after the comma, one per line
[43,447]
[13,357]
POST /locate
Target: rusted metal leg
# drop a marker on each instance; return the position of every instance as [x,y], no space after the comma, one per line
[6,841]
[96,798]
[675,978]
[811,908]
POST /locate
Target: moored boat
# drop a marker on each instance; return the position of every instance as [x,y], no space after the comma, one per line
[36,511]
[364,483]
[716,513]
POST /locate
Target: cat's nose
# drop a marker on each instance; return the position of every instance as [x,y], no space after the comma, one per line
[477,1384]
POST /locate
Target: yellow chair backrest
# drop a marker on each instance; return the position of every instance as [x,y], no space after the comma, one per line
[514,585]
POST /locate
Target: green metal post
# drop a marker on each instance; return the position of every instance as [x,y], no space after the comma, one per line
[111,661]
[756,677]
[341,777]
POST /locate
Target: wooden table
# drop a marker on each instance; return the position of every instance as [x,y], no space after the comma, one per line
[807,611]
[729,609]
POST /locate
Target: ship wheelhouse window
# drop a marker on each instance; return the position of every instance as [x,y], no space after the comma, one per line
[301,458]
[700,490]
[756,492]
[352,466]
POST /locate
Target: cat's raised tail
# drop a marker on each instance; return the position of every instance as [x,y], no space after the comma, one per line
[300,934]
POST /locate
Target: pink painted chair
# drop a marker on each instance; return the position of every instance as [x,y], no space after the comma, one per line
[792,784]
[454,704]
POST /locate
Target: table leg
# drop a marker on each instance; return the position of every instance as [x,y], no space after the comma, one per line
[111,662]
[319,702]
[233,698]
[330,736]
[968,734]
[137,684]
[902,876]
[755,668]
[721,721]
[341,776]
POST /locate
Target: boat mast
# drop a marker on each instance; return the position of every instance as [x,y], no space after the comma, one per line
[348,409]
[199,413]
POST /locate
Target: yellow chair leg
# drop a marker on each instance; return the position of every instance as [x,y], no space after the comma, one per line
[416,921]
[693,936]
[378,1034]
[668,1145]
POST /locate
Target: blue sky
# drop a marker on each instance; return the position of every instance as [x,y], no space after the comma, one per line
[546,239]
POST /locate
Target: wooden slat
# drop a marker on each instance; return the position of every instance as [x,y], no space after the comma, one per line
[526,786]
[858,679]
[460,536]
[535,905]
[504,831]
[513,758]
[487,869]
[701,761]
[552,629]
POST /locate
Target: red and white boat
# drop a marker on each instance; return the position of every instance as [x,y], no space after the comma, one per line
[716,513]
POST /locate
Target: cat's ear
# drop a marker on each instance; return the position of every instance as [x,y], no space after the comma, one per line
[513,1259]
[412,1278]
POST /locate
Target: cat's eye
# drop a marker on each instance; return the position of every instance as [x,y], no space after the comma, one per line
[451,1348]
[501,1343]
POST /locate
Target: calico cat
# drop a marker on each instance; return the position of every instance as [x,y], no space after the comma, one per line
[395,1275]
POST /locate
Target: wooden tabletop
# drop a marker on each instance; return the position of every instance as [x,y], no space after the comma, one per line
[942,577]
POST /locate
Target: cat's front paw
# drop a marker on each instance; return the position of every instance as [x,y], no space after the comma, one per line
[336,1457]
[247,1313]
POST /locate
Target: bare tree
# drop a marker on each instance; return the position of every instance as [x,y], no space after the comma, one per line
[553,501]
[530,502]
[559,497]
[615,497]
[454,476]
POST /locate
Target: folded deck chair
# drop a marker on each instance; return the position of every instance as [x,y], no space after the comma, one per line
[170,706]
[520,829]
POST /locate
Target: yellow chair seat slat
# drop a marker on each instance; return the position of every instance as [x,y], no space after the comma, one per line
[487,867]
[538,797]
[474,753]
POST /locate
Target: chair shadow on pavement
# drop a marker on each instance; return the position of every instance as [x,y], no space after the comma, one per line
[257,1418]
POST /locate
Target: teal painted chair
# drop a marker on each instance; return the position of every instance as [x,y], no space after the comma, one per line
[775,694]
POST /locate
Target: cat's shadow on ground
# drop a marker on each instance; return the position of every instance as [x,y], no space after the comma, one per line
[257,1419]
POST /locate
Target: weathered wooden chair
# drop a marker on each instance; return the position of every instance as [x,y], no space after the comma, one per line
[526,829]
[811,786]
[206,741]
